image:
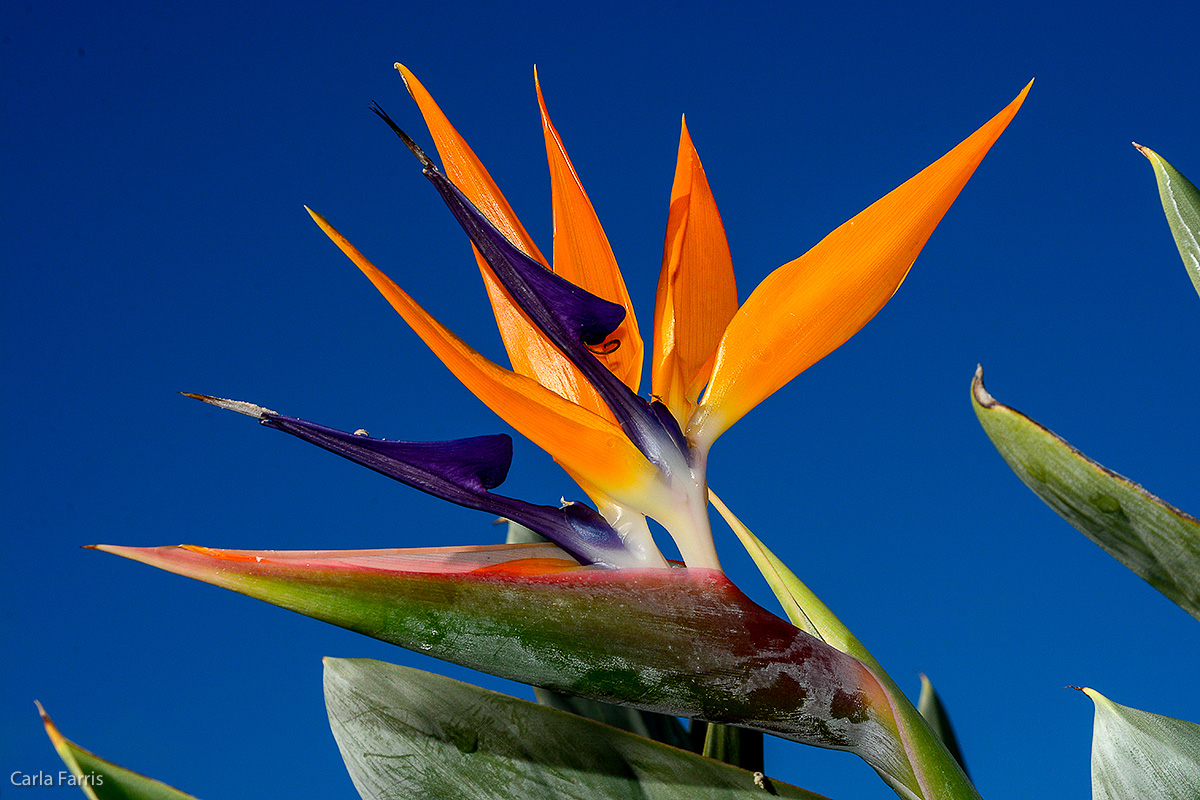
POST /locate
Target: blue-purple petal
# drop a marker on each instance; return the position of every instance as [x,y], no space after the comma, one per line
[463,471]
[471,465]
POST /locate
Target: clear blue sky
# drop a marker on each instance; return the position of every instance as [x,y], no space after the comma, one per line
[156,158]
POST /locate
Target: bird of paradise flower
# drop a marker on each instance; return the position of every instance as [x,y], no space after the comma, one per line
[598,611]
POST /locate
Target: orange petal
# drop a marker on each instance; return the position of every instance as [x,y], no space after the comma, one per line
[529,351]
[808,307]
[583,442]
[465,169]
[582,254]
[697,294]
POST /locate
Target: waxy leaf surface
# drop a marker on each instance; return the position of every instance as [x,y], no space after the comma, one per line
[1137,755]
[1181,202]
[408,733]
[1151,537]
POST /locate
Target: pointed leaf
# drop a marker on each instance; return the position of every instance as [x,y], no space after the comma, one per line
[697,294]
[407,733]
[583,256]
[808,307]
[683,642]
[1150,536]
[104,780]
[931,708]
[1138,755]
[1181,202]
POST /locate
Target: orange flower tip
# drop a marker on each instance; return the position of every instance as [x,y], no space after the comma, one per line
[240,406]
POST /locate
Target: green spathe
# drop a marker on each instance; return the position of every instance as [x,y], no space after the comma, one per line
[684,642]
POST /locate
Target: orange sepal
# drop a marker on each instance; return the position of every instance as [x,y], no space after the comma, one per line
[529,351]
[582,254]
[530,566]
[697,294]
[810,306]
[465,169]
[582,441]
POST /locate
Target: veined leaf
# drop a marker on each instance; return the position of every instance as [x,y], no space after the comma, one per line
[1150,536]
[1181,202]
[104,780]
[1138,755]
[408,733]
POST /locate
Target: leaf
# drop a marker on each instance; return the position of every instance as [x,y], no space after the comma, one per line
[408,733]
[931,708]
[1150,536]
[104,780]
[1181,202]
[1137,755]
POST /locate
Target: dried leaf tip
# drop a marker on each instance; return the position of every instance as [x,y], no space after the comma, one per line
[240,406]
[981,394]
[425,160]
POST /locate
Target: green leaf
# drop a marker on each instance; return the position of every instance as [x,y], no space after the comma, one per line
[1181,202]
[104,780]
[408,733]
[1153,538]
[1138,755]
[931,708]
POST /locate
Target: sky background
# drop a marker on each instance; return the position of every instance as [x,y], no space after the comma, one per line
[155,161]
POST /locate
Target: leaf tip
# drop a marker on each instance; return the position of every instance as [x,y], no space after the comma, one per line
[978,393]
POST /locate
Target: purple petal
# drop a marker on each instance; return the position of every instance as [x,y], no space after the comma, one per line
[453,470]
[461,471]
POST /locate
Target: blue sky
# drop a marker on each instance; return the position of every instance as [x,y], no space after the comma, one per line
[155,163]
